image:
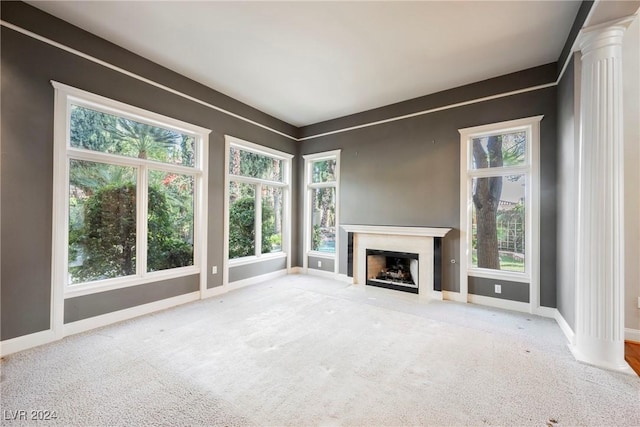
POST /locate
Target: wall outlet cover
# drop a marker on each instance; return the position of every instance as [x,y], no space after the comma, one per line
[498,288]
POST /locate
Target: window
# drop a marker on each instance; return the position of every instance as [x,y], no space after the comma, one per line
[498,178]
[129,194]
[321,203]
[258,192]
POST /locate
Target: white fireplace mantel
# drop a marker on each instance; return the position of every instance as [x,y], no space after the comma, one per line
[418,240]
[396,230]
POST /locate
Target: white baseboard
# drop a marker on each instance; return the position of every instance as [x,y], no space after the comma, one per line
[499,303]
[433,295]
[564,327]
[629,333]
[632,335]
[344,278]
[25,342]
[213,292]
[128,313]
[322,273]
[546,312]
[256,279]
[453,296]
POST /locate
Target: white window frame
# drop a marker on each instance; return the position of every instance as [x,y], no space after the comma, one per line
[65,97]
[531,170]
[285,184]
[309,185]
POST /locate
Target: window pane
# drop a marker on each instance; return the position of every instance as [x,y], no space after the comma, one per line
[323,219]
[97,131]
[272,198]
[499,150]
[323,171]
[498,223]
[246,163]
[242,213]
[169,220]
[102,221]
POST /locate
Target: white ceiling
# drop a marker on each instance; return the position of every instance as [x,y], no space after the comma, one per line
[305,62]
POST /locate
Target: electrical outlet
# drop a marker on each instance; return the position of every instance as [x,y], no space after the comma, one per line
[638,302]
[498,288]
[214,269]
[319,264]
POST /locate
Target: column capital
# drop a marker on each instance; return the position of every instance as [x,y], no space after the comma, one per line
[603,35]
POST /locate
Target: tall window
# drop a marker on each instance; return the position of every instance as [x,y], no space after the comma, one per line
[321,203]
[499,174]
[129,187]
[258,200]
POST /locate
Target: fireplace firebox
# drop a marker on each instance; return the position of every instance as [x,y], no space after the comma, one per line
[392,270]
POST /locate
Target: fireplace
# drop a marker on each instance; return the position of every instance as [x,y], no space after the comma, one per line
[418,246]
[392,270]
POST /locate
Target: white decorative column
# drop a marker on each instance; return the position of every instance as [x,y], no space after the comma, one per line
[599,335]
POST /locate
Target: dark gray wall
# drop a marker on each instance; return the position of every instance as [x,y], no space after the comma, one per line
[327,264]
[514,291]
[407,172]
[79,308]
[578,22]
[522,79]
[412,165]
[39,22]
[567,193]
[28,66]
[246,271]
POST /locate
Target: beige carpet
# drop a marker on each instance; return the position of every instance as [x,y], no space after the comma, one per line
[301,351]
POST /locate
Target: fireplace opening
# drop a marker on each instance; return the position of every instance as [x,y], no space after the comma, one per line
[392,270]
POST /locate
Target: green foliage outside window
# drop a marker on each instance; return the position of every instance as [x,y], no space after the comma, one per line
[102,198]
[242,200]
[106,133]
[316,237]
[242,228]
[107,240]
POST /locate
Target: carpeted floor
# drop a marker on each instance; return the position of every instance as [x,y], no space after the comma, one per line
[301,351]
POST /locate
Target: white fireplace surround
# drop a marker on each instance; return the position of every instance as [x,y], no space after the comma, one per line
[418,240]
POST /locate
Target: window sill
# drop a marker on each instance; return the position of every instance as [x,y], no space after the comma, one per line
[499,275]
[255,259]
[72,291]
[316,254]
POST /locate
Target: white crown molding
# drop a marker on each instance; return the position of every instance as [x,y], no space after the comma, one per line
[239,117]
[138,77]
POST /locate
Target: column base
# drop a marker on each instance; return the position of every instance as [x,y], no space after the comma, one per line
[619,365]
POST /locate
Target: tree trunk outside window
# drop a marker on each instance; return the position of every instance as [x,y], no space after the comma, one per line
[486,198]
